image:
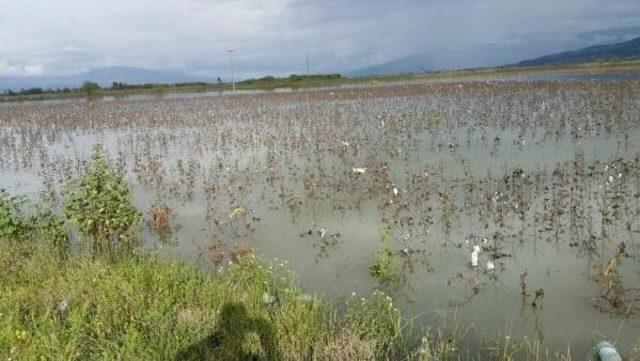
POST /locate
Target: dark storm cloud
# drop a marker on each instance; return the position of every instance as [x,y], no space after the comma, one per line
[274,36]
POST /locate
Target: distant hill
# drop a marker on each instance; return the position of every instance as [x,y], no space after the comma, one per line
[489,55]
[416,63]
[628,50]
[449,59]
[103,76]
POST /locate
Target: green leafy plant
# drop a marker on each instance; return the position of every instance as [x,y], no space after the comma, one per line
[13,222]
[99,204]
[387,267]
[49,225]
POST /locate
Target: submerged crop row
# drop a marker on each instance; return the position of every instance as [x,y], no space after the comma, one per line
[513,206]
[73,287]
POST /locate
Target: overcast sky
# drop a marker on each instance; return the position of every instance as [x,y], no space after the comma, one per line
[274,36]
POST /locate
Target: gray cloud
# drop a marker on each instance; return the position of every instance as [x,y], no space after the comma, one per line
[273,36]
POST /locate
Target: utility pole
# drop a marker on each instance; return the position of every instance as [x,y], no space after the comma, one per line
[308,66]
[231,52]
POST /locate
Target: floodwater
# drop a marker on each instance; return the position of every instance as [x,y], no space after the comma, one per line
[543,175]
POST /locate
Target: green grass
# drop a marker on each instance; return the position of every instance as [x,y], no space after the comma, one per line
[139,308]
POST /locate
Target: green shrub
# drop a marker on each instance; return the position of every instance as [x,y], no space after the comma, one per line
[99,204]
[49,225]
[387,267]
[13,223]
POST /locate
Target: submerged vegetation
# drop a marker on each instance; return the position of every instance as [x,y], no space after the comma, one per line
[510,215]
[93,302]
[75,303]
[387,267]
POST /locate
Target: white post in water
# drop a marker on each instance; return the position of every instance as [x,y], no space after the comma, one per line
[233,79]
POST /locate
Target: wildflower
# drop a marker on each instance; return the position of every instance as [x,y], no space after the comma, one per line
[62,306]
[21,335]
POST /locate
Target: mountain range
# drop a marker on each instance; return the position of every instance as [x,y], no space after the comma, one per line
[628,50]
[482,57]
[416,63]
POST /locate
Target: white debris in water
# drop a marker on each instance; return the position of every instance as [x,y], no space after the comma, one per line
[323,232]
[395,191]
[490,265]
[474,256]
[359,170]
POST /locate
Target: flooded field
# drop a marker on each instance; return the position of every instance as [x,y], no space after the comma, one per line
[498,207]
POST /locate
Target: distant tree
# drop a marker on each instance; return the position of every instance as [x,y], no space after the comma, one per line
[89,87]
[32,91]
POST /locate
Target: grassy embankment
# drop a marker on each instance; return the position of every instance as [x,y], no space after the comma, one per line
[137,307]
[327,80]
